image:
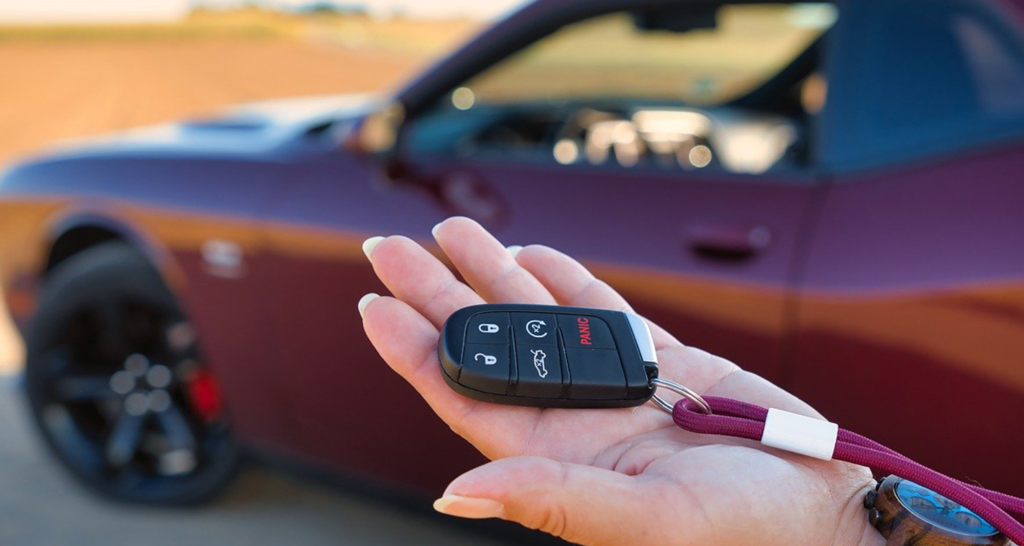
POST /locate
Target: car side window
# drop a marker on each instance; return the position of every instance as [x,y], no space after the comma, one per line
[728,87]
[937,75]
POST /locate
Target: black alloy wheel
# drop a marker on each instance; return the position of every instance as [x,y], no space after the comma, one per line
[117,385]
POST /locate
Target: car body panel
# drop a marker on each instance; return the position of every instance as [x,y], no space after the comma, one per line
[173,207]
[926,316]
[336,371]
[901,278]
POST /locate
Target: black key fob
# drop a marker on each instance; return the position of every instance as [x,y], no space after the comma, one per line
[548,356]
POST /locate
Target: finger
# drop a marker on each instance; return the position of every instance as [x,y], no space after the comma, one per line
[408,343]
[573,284]
[581,504]
[487,265]
[418,278]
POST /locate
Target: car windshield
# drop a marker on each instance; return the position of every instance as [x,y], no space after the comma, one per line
[696,59]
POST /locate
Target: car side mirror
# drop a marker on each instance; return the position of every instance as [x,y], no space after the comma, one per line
[376,135]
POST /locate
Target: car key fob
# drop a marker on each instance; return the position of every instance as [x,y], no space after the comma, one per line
[548,356]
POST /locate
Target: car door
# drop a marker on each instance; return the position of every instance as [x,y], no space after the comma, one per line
[347,409]
[697,230]
[911,322]
[611,170]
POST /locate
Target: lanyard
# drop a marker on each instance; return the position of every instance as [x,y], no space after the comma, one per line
[824,440]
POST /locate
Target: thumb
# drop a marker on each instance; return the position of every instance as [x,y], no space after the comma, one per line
[581,504]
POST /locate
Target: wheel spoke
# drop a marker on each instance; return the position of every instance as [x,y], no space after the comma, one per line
[176,428]
[124,439]
[83,388]
[82,451]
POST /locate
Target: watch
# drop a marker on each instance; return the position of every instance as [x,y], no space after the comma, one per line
[909,514]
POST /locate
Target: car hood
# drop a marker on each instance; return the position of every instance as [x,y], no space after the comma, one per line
[250,128]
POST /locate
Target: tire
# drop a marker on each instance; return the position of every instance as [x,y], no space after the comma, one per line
[117,388]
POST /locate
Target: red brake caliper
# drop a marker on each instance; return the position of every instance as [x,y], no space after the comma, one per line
[205,395]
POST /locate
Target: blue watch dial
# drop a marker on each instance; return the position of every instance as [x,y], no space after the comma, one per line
[940,511]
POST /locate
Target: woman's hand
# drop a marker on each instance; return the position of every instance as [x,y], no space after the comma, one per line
[600,477]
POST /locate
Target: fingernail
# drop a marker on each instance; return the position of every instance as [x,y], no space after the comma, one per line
[465,507]
[436,229]
[369,244]
[514,250]
[364,301]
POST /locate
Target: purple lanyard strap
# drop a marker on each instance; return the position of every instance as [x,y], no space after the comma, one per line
[730,417]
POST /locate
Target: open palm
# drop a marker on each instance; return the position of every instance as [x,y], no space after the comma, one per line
[600,477]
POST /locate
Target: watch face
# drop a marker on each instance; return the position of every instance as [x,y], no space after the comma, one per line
[940,511]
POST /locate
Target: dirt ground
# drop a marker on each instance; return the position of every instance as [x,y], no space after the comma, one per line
[68,82]
[72,88]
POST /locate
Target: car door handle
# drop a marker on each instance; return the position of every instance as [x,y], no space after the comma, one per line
[727,242]
[466,192]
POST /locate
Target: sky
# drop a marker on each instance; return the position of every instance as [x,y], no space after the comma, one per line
[102,11]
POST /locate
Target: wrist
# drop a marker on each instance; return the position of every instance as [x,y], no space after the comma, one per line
[854,528]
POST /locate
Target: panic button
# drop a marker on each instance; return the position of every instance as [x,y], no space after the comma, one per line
[584,331]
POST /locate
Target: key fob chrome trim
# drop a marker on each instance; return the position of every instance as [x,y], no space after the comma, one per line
[642,336]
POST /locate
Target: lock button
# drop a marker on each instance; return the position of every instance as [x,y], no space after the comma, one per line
[485,367]
[488,328]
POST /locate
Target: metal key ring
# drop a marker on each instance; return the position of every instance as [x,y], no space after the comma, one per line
[684,391]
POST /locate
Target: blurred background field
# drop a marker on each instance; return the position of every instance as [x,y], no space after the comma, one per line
[72,80]
[78,80]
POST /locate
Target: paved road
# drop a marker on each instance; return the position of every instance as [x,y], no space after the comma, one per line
[40,506]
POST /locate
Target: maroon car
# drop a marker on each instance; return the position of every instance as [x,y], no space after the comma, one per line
[829,194]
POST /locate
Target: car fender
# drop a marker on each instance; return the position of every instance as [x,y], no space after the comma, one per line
[103,217]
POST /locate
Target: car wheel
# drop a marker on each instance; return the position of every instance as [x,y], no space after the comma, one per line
[117,386]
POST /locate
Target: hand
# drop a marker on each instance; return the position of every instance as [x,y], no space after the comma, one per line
[600,477]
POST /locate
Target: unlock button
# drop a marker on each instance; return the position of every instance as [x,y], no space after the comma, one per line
[488,328]
[485,368]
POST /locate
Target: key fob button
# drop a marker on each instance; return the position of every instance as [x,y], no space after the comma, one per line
[535,329]
[585,331]
[548,356]
[595,373]
[488,328]
[540,371]
[485,367]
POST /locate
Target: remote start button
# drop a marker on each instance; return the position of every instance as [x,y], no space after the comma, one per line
[535,329]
